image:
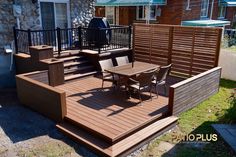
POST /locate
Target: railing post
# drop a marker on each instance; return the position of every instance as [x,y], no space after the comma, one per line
[58,40]
[80,37]
[130,34]
[29,37]
[15,39]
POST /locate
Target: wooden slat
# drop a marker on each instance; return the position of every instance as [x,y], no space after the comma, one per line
[171,43]
[41,76]
[117,149]
[189,93]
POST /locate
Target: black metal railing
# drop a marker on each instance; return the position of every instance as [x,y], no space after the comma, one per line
[98,39]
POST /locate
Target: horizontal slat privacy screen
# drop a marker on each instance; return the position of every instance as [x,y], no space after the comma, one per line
[192,50]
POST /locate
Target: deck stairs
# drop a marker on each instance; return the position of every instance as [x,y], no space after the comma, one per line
[76,66]
[121,147]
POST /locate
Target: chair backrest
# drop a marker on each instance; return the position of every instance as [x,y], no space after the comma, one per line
[146,78]
[106,64]
[163,72]
[122,60]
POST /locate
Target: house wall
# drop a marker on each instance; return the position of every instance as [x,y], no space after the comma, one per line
[127,15]
[100,11]
[231,16]
[172,12]
[124,15]
[176,11]
[194,12]
[7,20]
[81,12]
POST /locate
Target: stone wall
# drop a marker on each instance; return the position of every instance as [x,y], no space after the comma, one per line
[30,14]
[81,12]
[7,21]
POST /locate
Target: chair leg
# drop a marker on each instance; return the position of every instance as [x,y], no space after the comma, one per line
[139,94]
[150,93]
[129,92]
[165,89]
[102,83]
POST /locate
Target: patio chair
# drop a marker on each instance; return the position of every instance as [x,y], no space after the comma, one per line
[141,82]
[106,64]
[160,77]
[122,60]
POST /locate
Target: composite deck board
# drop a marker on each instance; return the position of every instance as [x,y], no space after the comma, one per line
[110,113]
[121,146]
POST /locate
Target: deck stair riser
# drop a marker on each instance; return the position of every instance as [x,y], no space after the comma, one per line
[122,147]
[76,66]
[107,138]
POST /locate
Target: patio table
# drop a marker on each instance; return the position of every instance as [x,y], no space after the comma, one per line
[128,70]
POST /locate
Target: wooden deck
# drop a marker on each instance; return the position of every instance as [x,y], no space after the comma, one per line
[109,113]
[107,120]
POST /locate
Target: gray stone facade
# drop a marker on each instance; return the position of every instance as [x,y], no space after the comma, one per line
[7,21]
[81,12]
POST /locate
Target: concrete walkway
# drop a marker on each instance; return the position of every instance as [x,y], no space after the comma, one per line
[228,133]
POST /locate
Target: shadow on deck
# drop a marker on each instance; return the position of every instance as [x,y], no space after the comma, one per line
[105,118]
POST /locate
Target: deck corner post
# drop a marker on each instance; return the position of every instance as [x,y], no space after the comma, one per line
[171,101]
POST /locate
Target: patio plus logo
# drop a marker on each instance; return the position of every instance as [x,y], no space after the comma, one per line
[195,138]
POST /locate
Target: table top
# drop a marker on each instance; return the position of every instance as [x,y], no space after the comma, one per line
[128,70]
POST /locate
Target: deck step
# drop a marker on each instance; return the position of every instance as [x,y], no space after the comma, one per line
[126,145]
[72,58]
[70,64]
[67,53]
[106,137]
[76,76]
[78,69]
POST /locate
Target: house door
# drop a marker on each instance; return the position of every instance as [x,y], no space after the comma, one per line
[54,15]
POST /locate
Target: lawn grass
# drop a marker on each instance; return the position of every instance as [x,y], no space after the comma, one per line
[220,108]
[231,49]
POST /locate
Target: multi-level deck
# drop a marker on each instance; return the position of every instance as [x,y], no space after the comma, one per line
[106,120]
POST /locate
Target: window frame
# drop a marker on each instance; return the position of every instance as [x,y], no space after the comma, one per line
[113,12]
[67,2]
[205,15]
[188,5]
[221,14]
[144,14]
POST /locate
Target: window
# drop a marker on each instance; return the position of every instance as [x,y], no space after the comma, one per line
[153,12]
[188,5]
[54,14]
[221,11]
[142,12]
[204,8]
[110,14]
